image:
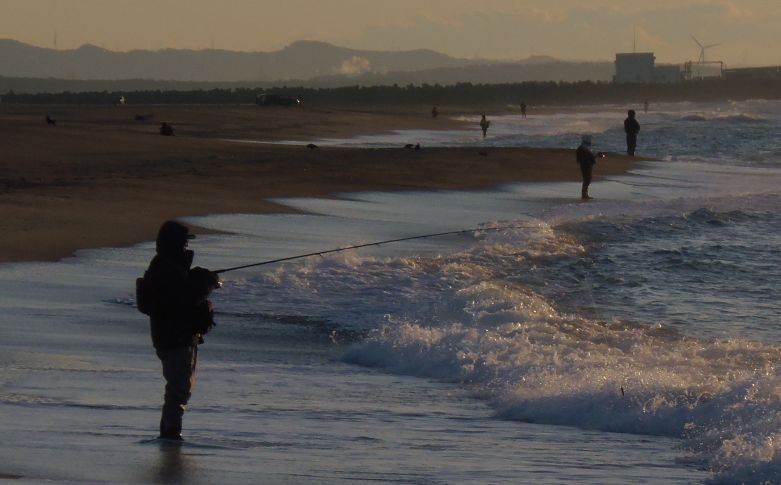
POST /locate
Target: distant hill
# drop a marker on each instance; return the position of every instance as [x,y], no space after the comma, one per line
[303,63]
[300,60]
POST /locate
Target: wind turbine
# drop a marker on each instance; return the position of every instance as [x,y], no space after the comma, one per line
[701,60]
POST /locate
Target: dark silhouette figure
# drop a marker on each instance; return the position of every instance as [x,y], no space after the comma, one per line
[586,160]
[166,129]
[50,121]
[312,146]
[434,112]
[179,314]
[484,124]
[632,128]
[645,106]
[523,109]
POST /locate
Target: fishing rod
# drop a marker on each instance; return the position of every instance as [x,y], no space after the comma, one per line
[357,246]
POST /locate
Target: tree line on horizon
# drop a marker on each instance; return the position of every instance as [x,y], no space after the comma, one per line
[485,96]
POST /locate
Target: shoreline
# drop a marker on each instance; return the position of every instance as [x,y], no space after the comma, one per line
[100,178]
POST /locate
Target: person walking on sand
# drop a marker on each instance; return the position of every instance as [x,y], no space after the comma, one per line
[179,315]
[484,124]
[632,128]
[523,109]
[434,112]
[586,159]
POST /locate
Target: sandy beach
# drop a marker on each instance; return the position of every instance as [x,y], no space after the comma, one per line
[101,177]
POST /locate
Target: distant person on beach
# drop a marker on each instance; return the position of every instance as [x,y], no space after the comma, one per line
[645,106]
[632,128]
[166,129]
[179,314]
[434,112]
[484,124]
[523,109]
[586,160]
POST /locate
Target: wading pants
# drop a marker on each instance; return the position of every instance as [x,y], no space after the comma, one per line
[179,374]
[631,144]
[585,171]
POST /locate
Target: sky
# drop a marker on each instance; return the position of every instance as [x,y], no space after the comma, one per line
[747,31]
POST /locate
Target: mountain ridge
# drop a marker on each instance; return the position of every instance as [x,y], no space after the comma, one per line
[303,61]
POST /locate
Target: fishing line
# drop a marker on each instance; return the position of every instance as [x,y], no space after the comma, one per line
[378,243]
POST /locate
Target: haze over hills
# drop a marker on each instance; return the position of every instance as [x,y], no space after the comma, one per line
[303,62]
[300,60]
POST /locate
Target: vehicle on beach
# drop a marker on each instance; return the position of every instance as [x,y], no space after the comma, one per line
[270,99]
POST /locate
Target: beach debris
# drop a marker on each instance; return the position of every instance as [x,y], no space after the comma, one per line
[312,146]
[409,146]
[143,117]
[50,121]
[166,129]
[483,153]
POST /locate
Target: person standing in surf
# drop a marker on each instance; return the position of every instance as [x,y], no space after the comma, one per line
[632,128]
[179,315]
[484,124]
[586,160]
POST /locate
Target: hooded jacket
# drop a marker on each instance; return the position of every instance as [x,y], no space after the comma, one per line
[173,304]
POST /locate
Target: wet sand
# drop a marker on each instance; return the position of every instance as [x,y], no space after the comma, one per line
[100,177]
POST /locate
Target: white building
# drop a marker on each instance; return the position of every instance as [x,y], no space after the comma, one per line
[640,67]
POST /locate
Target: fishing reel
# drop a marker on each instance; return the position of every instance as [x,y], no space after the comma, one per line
[204,280]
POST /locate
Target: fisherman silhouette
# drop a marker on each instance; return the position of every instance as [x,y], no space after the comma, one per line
[484,124]
[434,112]
[179,315]
[523,109]
[586,159]
[632,128]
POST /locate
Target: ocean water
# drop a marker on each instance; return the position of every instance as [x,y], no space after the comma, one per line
[630,339]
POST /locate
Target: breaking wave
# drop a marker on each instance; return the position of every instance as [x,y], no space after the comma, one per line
[471,318]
